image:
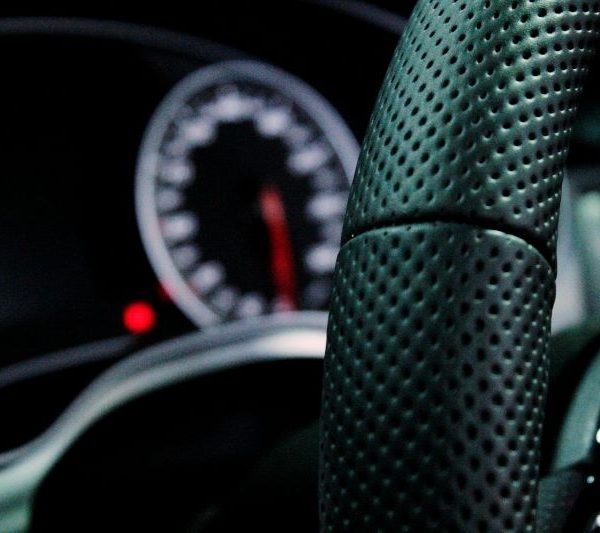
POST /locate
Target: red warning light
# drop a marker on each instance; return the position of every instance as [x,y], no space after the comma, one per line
[139,317]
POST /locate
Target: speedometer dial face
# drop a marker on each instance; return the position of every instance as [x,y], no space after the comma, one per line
[241,188]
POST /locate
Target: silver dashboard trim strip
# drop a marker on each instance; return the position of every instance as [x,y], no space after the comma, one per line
[288,337]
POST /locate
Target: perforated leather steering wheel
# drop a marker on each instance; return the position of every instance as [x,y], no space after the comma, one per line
[436,367]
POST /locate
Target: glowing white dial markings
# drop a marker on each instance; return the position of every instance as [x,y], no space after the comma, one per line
[208,276]
[179,227]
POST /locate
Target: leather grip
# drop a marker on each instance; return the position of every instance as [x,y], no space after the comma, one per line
[436,366]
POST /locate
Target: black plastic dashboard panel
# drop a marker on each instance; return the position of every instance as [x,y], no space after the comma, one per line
[76,100]
[205,435]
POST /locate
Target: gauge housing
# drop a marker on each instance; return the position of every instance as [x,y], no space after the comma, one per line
[304,155]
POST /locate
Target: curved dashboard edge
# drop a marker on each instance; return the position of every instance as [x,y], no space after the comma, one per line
[147,36]
[378,16]
[283,337]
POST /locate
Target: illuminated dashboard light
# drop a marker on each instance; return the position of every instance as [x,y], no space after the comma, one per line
[139,317]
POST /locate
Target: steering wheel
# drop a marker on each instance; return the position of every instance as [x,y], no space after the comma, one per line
[436,366]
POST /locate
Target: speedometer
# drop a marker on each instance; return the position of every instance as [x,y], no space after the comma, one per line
[241,187]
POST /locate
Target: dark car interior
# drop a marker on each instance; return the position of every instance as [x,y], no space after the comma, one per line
[185,233]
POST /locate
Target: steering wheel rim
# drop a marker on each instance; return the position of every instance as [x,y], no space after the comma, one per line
[436,366]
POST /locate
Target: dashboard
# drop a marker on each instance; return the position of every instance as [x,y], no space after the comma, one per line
[164,174]
[142,165]
[164,181]
[110,248]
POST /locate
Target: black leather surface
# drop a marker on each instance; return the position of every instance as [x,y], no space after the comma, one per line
[436,367]
[473,120]
[435,380]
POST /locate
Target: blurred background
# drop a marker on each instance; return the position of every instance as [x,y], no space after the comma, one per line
[167,174]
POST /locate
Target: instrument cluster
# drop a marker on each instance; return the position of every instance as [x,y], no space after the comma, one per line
[164,176]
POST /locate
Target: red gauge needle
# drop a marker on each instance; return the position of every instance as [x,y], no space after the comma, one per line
[282,257]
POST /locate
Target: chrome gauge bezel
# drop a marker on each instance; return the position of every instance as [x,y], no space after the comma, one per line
[331,124]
